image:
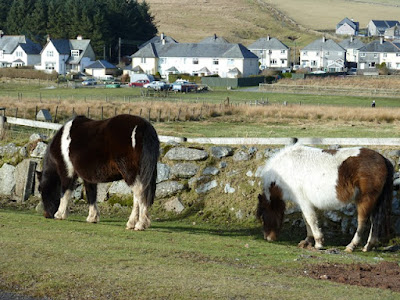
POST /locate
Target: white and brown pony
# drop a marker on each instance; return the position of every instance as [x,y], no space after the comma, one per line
[327,179]
[123,147]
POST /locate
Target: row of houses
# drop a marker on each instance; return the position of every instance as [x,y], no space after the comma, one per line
[212,56]
[389,29]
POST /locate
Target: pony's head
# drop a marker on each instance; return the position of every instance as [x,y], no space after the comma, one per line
[50,189]
[270,211]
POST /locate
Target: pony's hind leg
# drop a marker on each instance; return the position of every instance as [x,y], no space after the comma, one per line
[361,220]
[91,194]
[372,238]
[139,218]
[66,187]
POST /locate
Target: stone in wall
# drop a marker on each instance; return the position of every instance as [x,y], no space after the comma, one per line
[181,153]
[168,188]
[40,150]
[210,171]
[241,156]
[221,151]
[24,179]
[174,205]
[205,187]
[9,150]
[7,180]
[163,172]
[184,170]
[119,188]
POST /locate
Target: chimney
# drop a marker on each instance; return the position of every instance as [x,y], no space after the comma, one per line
[48,38]
[381,40]
[268,38]
[215,36]
[323,39]
[79,38]
[162,36]
[351,39]
[1,33]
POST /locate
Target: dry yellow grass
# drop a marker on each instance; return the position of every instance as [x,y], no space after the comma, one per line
[383,82]
[325,14]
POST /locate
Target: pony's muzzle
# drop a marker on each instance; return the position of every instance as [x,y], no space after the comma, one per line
[48,215]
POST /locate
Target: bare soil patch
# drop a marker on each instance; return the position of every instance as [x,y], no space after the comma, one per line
[384,275]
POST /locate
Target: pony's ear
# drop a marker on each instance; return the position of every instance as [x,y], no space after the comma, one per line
[39,175]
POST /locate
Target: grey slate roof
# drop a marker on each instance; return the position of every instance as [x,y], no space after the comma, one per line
[8,43]
[64,46]
[268,43]
[214,39]
[382,25]
[352,24]
[101,64]
[324,45]
[158,40]
[195,50]
[351,43]
[377,46]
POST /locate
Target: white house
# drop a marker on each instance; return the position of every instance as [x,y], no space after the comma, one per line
[271,53]
[199,59]
[323,54]
[378,52]
[65,56]
[347,27]
[18,50]
[351,45]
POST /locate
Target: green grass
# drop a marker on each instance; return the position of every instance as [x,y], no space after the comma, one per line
[172,260]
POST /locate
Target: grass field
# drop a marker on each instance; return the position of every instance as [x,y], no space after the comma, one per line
[244,21]
[172,260]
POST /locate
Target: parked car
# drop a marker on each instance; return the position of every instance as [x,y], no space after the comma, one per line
[184,86]
[157,85]
[139,83]
[352,71]
[89,81]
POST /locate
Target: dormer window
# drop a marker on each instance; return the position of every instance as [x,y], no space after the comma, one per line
[75,53]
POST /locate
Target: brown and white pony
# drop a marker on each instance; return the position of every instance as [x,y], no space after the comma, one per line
[123,147]
[327,179]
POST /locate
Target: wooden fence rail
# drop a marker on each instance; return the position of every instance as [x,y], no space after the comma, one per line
[227,141]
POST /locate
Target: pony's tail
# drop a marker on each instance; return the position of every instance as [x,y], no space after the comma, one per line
[148,163]
[381,214]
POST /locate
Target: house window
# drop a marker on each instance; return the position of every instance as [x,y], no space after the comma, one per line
[195,61]
[305,53]
[18,54]
[371,64]
[375,55]
[50,66]
[362,54]
[283,51]
[75,53]
[327,52]
[313,63]
[143,60]
[398,66]
[283,61]
[273,61]
[231,61]
[215,61]
[317,54]
[49,53]
[389,65]
[397,54]
[384,54]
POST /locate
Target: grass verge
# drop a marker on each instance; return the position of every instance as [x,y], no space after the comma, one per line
[172,260]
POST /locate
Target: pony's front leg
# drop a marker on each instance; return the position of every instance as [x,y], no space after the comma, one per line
[311,218]
[309,240]
[91,194]
[62,212]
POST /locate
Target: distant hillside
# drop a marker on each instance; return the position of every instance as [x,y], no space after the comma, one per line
[244,21]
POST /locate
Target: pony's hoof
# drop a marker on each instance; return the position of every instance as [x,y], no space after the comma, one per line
[92,219]
[348,249]
[60,216]
[303,244]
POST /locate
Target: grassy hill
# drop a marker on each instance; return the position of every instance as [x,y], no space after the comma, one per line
[244,21]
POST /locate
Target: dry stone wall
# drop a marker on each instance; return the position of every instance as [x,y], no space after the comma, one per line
[225,180]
